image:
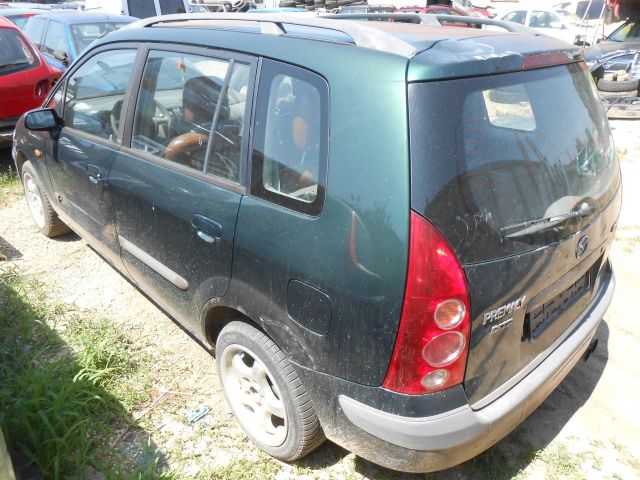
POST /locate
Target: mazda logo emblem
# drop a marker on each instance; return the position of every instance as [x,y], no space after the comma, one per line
[583,245]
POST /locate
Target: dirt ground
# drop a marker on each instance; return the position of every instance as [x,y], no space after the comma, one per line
[588,428]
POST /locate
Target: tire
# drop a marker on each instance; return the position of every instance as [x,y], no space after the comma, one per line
[254,372]
[43,214]
[617,86]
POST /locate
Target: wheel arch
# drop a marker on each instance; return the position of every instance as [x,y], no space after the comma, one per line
[215,316]
[20,160]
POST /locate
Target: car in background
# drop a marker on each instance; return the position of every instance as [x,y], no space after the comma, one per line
[63,36]
[549,22]
[19,16]
[439,10]
[625,37]
[195,8]
[25,78]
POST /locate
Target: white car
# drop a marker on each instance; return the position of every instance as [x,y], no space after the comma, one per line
[552,23]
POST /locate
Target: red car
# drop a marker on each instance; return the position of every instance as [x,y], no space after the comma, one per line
[439,10]
[25,78]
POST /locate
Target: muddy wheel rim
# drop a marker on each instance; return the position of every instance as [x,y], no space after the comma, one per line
[34,200]
[253,395]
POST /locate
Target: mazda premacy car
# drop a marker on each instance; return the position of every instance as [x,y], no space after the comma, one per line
[391,235]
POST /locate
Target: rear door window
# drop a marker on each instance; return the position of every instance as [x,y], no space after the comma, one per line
[192,110]
[34,28]
[176,106]
[291,138]
[55,40]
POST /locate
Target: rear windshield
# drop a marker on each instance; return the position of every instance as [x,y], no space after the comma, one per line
[15,53]
[509,163]
[85,33]
[20,20]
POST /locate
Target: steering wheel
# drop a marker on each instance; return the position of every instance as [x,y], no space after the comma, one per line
[184,146]
[114,116]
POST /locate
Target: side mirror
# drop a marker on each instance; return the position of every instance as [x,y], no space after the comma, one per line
[42,120]
[563,27]
[62,56]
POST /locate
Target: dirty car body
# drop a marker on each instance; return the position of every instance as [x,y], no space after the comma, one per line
[481,234]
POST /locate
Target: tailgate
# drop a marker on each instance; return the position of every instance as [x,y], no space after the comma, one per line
[522,179]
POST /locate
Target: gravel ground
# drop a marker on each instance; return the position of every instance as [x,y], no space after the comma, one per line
[588,428]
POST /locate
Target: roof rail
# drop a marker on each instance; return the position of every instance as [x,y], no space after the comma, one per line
[430,19]
[361,34]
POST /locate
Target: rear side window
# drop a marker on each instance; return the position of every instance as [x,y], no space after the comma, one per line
[55,39]
[290,143]
[95,93]
[15,53]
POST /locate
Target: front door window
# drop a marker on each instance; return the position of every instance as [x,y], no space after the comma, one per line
[95,93]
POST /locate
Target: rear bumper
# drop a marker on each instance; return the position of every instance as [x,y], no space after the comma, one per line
[430,443]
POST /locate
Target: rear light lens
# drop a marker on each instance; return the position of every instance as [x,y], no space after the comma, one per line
[433,380]
[430,353]
[444,349]
[449,313]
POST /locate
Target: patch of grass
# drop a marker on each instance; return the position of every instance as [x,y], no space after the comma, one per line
[61,395]
[561,463]
[9,184]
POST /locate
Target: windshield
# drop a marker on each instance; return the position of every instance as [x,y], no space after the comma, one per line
[629,32]
[512,149]
[15,53]
[85,33]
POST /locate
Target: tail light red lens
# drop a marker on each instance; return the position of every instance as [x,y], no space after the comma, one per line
[431,348]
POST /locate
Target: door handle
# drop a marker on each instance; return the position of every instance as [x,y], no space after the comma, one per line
[94,173]
[207,229]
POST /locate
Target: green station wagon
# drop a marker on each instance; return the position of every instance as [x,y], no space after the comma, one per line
[391,235]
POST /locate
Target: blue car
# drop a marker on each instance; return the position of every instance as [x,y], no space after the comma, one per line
[63,36]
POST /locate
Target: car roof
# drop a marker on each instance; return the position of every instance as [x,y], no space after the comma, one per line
[73,17]
[10,11]
[434,52]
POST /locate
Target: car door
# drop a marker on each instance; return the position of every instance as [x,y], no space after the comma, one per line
[80,154]
[178,183]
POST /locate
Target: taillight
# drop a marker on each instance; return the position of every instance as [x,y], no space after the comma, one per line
[431,348]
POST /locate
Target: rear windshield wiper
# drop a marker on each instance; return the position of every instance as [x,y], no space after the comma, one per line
[539,224]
